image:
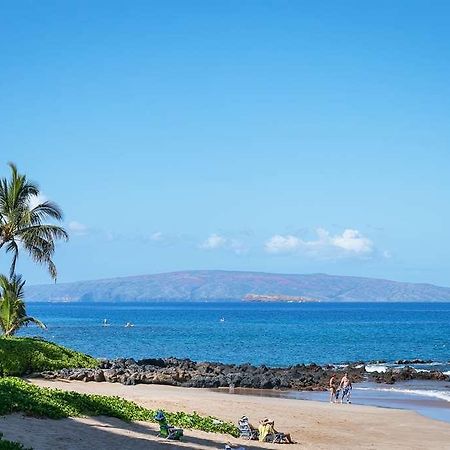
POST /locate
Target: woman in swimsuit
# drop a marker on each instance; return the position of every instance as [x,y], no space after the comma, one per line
[332,388]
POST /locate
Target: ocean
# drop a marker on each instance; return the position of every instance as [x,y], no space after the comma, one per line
[277,334]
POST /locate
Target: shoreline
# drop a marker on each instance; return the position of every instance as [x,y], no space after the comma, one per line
[313,424]
[409,396]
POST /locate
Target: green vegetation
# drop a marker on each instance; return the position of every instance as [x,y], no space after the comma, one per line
[22,214]
[12,307]
[20,356]
[16,395]
[8,445]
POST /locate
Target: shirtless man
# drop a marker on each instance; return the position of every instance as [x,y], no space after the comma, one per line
[332,388]
[346,386]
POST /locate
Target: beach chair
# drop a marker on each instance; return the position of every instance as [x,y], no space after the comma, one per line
[276,438]
[165,430]
[246,430]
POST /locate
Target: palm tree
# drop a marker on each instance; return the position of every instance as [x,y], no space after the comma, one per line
[12,307]
[22,224]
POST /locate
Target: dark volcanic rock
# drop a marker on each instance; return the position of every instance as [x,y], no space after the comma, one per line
[413,361]
[407,373]
[184,372]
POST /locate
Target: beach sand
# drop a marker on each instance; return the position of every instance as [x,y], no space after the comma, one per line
[312,424]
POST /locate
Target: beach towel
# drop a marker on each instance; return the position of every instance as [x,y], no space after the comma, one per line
[264,430]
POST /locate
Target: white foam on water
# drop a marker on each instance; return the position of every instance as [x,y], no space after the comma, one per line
[442,395]
[380,368]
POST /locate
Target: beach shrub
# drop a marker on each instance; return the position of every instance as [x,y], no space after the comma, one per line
[16,395]
[9,445]
[20,356]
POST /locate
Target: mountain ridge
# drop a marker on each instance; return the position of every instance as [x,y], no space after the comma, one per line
[222,285]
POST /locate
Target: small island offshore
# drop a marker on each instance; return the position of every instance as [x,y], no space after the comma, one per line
[278,298]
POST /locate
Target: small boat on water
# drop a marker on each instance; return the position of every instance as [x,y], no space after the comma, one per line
[129,325]
[222,319]
[105,323]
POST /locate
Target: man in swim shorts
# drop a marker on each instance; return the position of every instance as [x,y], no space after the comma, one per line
[346,387]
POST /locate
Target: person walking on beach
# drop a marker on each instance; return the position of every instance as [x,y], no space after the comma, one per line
[332,388]
[345,386]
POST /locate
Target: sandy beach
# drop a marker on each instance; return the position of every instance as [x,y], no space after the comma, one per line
[312,424]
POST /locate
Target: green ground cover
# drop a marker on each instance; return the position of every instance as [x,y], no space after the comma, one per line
[8,445]
[19,396]
[20,356]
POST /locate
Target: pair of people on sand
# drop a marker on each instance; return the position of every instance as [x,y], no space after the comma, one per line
[343,390]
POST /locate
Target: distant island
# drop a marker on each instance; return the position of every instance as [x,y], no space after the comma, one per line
[278,298]
[219,285]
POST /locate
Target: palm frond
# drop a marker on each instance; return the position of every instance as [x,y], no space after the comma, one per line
[42,256]
[12,247]
[28,319]
[45,210]
[43,231]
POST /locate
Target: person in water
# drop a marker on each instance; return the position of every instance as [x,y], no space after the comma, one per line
[332,388]
[346,388]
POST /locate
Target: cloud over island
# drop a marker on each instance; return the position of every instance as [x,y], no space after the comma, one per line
[350,242]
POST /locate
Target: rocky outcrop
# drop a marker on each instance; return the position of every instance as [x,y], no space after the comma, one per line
[187,373]
[184,372]
[413,361]
[391,376]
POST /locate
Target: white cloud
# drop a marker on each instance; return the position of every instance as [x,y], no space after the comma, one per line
[283,244]
[157,236]
[350,243]
[77,228]
[214,241]
[217,241]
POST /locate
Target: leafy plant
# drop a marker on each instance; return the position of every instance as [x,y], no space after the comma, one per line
[12,307]
[16,395]
[9,445]
[22,222]
[20,356]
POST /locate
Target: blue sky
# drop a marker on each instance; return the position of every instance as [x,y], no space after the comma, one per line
[280,136]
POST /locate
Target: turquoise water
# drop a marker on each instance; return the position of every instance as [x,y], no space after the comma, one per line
[271,334]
